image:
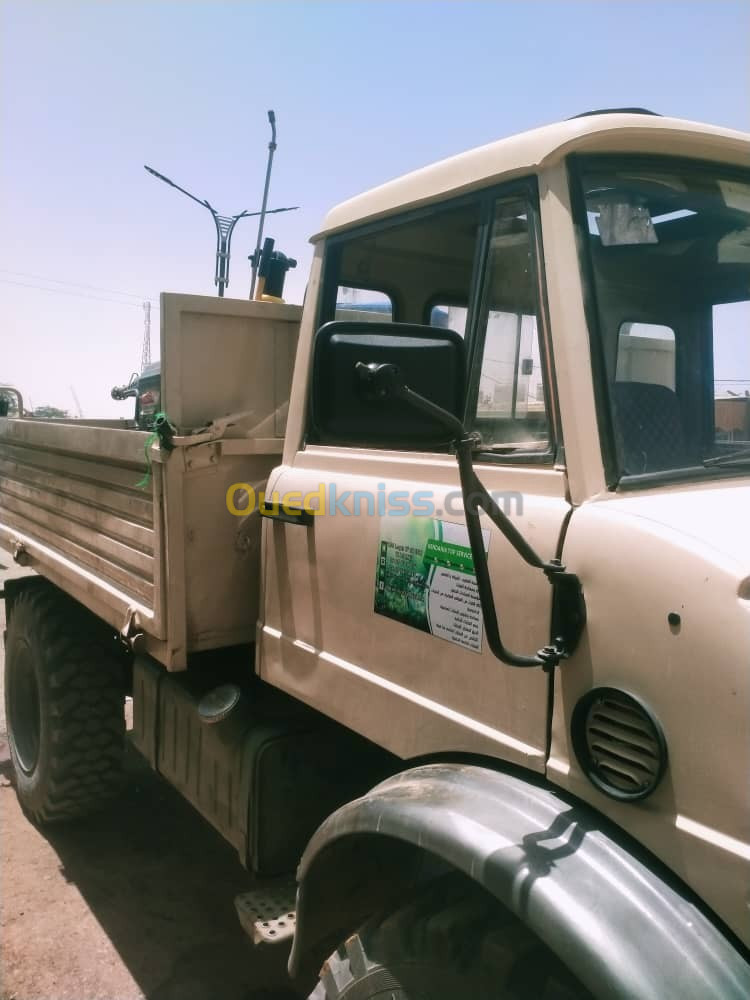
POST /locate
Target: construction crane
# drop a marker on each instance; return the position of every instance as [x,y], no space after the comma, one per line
[79,411]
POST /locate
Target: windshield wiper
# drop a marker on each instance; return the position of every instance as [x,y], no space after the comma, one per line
[741,457]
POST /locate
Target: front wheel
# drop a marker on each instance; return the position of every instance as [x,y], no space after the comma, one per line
[64,705]
[453,942]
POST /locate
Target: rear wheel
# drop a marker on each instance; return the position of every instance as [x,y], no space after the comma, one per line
[64,703]
[453,942]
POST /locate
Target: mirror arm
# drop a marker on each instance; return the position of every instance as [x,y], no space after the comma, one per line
[384,381]
[451,423]
[476,493]
[476,497]
[380,382]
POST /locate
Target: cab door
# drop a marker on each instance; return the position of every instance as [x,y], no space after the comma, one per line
[370,606]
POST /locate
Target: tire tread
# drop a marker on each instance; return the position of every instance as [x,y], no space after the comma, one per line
[458,926]
[84,701]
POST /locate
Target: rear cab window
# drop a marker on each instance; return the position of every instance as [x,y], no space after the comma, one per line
[363,305]
[449,316]
[646,353]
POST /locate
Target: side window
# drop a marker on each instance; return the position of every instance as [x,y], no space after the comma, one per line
[646,353]
[416,261]
[363,305]
[433,264]
[510,407]
[731,344]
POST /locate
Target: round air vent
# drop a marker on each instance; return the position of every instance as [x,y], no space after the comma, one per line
[619,744]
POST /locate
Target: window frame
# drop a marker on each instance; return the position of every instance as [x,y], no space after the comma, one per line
[526,188]
[485,199]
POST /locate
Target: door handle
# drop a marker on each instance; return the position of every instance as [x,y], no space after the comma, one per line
[288,513]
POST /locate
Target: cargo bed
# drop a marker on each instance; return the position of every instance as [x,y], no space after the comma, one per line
[151,547]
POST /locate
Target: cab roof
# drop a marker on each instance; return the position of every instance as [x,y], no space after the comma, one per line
[631,131]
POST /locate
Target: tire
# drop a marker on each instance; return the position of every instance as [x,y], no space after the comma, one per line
[453,942]
[64,705]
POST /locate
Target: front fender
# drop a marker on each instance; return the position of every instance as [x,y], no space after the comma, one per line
[620,927]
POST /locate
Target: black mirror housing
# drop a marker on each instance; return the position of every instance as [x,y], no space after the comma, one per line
[431,360]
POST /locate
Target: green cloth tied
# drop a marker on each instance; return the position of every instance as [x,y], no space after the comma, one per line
[163,432]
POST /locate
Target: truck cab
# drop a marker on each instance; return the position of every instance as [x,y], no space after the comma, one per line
[146,390]
[597,274]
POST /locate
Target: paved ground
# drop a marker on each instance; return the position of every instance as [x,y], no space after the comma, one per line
[134,904]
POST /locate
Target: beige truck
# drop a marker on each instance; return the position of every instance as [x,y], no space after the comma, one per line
[457,648]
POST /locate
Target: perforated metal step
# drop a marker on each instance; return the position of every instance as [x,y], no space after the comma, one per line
[267,913]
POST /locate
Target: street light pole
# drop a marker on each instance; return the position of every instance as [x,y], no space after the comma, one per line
[224,228]
[256,255]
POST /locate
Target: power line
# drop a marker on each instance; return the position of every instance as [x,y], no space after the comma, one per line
[72,284]
[80,295]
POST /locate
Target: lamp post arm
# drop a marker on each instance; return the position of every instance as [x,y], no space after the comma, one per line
[172,184]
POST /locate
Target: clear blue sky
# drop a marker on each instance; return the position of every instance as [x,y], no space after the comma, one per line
[363,91]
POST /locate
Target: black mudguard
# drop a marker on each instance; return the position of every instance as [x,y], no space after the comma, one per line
[622,928]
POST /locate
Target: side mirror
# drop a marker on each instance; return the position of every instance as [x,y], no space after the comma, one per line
[346,408]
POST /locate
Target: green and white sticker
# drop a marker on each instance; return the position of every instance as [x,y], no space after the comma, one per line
[425,578]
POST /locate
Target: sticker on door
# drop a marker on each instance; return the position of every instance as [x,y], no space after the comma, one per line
[425,579]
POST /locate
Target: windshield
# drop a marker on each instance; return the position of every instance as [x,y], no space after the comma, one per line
[669,255]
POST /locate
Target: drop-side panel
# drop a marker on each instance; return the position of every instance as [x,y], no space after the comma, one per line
[70,499]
